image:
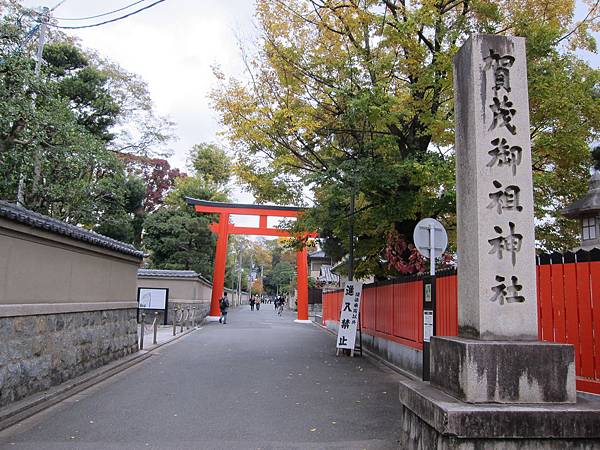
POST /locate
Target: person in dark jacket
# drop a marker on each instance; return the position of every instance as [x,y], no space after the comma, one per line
[224,306]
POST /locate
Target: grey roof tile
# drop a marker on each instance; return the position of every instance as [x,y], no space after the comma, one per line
[160,273]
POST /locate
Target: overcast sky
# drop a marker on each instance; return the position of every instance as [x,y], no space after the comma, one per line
[173,47]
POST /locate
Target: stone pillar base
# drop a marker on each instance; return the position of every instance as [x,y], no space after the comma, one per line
[477,371]
[432,419]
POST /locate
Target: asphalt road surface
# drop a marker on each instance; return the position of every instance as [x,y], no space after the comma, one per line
[259,382]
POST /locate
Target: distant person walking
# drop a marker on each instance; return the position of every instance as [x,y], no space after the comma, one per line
[224,306]
[258,303]
[252,301]
[278,301]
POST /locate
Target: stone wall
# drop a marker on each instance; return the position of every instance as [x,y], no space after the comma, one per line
[67,301]
[37,352]
[315,309]
[202,309]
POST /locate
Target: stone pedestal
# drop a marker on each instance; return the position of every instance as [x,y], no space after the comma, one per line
[432,419]
[476,371]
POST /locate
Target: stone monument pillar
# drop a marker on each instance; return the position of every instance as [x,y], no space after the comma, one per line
[497,357]
[496,242]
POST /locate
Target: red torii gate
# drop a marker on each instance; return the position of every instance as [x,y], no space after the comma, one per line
[223,229]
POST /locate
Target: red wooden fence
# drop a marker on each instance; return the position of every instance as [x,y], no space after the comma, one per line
[568,308]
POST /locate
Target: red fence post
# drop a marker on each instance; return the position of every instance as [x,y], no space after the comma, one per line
[595,282]
[558,300]
[544,282]
[571,306]
[586,331]
[447,305]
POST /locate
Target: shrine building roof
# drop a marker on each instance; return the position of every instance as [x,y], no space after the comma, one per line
[589,204]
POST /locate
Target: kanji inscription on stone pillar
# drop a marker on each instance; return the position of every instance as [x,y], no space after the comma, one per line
[496,253]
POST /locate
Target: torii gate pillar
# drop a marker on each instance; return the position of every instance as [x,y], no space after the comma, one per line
[302,274]
[223,229]
[219,267]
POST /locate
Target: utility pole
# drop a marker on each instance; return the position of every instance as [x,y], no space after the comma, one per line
[240,275]
[42,40]
[351,238]
[233,280]
[291,291]
[44,20]
[251,273]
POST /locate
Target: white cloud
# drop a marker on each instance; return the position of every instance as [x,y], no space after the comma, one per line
[172,46]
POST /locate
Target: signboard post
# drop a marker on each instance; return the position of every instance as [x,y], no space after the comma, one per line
[431,241]
[429,330]
[154,299]
[349,316]
[428,234]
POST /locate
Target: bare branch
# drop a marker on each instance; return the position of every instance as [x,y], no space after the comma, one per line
[587,18]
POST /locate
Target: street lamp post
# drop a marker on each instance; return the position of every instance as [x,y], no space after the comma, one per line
[292,274]
[239,284]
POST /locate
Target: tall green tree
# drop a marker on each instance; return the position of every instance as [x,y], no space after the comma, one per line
[211,164]
[125,221]
[169,228]
[84,86]
[179,240]
[193,187]
[280,278]
[59,130]
[356,98]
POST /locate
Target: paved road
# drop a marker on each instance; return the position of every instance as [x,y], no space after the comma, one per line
[259,382]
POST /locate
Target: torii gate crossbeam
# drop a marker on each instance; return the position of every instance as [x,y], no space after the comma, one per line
[223,229]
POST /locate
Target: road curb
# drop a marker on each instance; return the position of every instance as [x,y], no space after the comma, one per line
[174,338]
[36,403]
[375,357]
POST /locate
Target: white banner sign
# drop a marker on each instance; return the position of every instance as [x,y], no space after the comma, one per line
[152,298]
[427,324]
[349,315]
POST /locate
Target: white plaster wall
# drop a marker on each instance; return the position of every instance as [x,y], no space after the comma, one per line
[41,272]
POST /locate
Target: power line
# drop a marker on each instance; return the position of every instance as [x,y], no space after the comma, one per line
[103,14]
[57,5]
[109,21]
